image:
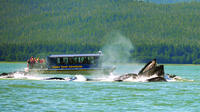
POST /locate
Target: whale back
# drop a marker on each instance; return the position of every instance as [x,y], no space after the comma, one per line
[126,76]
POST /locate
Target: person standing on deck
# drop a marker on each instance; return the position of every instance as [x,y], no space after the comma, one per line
[32,61]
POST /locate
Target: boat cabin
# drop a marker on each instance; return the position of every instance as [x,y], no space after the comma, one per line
[74,61]
[70,64]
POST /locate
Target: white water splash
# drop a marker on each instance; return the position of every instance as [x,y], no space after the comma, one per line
[80,78]
[108,78]
[20,75]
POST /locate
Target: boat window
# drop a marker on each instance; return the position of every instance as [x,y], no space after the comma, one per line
[96,60]
[70,60]
[81,60]
[91,60]
[85,60]
[75,60]
[58,61]
[65,60]
[52,61]
[62,61]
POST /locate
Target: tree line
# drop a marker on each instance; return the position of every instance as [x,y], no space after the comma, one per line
[168,32]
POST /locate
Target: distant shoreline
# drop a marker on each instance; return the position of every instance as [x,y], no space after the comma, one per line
[182,64]
[12,62]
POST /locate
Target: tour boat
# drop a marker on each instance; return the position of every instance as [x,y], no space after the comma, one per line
[71,64]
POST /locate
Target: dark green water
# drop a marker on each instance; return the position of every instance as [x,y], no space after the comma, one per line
[61,96]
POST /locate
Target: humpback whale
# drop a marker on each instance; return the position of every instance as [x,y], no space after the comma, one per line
[151,71]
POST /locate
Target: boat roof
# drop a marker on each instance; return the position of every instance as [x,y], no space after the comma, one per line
[74,55]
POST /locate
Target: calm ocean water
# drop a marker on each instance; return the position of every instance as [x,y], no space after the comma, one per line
[17,95]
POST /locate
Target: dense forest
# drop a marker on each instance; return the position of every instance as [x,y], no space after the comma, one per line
[168,32]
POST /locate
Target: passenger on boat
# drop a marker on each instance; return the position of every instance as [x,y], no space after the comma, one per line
[37,60]
[41,61]
[28,63]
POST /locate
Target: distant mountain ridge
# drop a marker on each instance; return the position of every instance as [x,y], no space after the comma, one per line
[168,32]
